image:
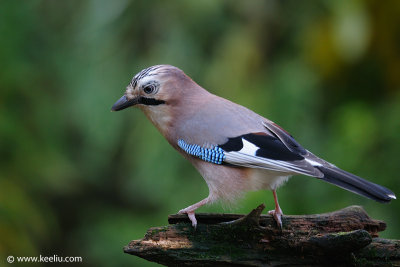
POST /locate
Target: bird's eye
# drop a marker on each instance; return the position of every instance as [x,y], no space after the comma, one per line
[150,88]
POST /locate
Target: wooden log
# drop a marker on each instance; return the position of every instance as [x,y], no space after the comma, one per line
[347,236]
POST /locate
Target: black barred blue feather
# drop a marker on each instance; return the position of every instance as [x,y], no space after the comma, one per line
[254,151]
[214,155]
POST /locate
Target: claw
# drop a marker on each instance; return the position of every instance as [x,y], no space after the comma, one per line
[277,212]
[191,216]
[182,211]
[190,210]
[277,216]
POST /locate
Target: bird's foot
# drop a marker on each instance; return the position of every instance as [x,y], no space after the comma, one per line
[191,215]
[277,216]
[190,210]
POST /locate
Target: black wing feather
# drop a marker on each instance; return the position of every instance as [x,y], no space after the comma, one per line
[285,138]
[269,147]
[266,151]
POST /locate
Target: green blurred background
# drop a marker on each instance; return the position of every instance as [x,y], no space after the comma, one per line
[78,180]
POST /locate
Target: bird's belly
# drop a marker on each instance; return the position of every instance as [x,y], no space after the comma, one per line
[266,179]
[229,183]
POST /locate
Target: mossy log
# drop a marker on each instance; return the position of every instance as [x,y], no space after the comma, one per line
[345,237]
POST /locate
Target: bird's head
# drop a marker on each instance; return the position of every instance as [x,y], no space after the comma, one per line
[158,90]
[151,87]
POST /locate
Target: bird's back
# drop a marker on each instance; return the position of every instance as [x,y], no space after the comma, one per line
[227,119]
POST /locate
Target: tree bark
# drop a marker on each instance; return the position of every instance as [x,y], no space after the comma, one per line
[345,237]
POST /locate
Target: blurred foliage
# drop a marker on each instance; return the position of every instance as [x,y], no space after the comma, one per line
[78,180]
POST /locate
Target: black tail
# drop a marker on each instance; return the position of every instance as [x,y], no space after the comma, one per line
[356,184]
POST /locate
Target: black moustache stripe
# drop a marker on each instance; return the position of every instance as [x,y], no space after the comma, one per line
[150,101]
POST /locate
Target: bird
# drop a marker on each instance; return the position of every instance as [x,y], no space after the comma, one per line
[233,148]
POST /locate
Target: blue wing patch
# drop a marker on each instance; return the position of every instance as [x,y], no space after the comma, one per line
[258,150]
[214,155]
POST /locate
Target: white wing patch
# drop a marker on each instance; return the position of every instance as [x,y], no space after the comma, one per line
[312,162]
[247,157]
[248,148]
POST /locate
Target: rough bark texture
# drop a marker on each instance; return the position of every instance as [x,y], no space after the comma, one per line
[344,237]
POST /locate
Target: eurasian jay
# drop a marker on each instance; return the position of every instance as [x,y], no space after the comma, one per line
[234,149]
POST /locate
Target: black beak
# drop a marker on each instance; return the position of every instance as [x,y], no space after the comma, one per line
[124,103]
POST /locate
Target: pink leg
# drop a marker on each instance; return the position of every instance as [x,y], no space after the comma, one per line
[277,213]
[190,210]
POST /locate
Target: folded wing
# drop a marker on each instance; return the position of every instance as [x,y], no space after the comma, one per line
[277,150]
